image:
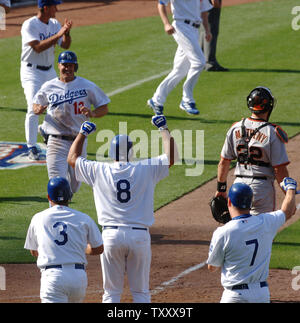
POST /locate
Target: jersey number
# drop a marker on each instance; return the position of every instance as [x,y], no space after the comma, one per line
[77,107]
[255,154]
[62,233]
[123,191]
[255,242]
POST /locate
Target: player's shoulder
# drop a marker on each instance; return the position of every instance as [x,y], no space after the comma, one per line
[30,22]
[50,83]
[54,22]
[280,133]
[87,83]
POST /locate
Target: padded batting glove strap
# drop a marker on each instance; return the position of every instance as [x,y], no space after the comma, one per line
[160,122]
[87,128]
[288,183]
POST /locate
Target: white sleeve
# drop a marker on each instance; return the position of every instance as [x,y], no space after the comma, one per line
[273,220]
[205,5]
[159,167]
[85,171]
[31,242]
[41,97]
[216,254]
[29,33]
[94,235]
[98,97]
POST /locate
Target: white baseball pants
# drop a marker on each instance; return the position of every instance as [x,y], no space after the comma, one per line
[63,285]
[255,294]
[57,165]
[32,79]
[189,61]
[126,250]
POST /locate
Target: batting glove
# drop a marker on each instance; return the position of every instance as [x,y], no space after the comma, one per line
[160,122]
[87,128]
[288,183]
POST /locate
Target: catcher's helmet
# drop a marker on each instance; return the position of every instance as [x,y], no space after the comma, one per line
[261,100]
[59,190]
[68,57]
[121,148]
[240,195]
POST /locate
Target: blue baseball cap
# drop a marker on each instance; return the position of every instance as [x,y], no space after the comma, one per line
[42,3]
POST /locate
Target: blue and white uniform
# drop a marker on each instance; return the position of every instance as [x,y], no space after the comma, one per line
[63,120]
[123,194]
[36,68]
[189,59]
[60,235]
[242,248]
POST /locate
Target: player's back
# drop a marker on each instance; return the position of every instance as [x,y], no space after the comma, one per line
[248,244]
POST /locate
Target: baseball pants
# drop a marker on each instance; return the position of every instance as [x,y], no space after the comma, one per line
[189,61]
[126,250]
[32,79]
[264,197]
[57,165]
[254,294]
[63,285]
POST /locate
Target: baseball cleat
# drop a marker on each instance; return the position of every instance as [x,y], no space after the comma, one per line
[43,134]
[35,154]
[158,109]
[189,108]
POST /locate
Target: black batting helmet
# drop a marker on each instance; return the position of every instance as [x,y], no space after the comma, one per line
[261,100]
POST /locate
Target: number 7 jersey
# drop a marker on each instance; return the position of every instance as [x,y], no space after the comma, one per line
[64,101]
[266,148]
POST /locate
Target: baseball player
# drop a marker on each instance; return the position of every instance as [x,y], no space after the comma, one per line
[259,149]
[123,193]
[40,35]
[189,60]
[242,247]
[60,237]
[68,100]
[6,4]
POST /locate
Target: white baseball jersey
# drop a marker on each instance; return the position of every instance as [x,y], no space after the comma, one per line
[64,100]
[123,192]
[188,9]
[60,235]
[34,29]
[266,149]
[242,247]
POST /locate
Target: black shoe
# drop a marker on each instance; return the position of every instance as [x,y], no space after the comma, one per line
[216,68]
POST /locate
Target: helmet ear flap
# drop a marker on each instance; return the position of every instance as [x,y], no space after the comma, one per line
[76,68]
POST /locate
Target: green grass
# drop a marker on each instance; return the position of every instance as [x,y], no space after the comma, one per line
[259,49]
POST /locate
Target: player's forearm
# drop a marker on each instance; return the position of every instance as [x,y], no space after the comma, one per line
[99,112]
[94,251]
[40,46]
[66,41]
[223,169]
[204,16]
[289,204]
[170,147]
[280,173]
[76,150]
[38,108]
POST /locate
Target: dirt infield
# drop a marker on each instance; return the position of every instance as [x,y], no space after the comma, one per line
[182,229]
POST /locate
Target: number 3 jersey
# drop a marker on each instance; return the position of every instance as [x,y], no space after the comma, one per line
[266,148]
[64,101]
[60,235]
[123,192]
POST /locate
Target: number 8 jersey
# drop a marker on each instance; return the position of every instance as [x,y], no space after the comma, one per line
[266,148]
[64,101]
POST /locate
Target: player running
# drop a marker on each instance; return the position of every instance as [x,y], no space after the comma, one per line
[68,100]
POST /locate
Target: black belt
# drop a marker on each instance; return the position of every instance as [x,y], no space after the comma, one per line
[76,266]
[245,286]
[40,67]
[192,23]
[116,227]
[69,138]
[254,177]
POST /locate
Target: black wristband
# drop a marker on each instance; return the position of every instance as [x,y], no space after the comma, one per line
[221,186]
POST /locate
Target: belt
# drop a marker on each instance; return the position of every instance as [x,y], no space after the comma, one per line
[40,67]
[192,23]
[76,266]
[254,177]
[116,227]
[245,286]
[69,138]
